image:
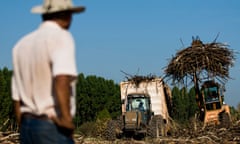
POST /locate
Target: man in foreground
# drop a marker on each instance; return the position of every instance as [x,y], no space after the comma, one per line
[44,73]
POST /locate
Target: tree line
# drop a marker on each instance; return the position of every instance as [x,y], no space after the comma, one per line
[96,97]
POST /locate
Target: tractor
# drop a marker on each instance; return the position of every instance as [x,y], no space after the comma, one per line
[145,110]
[213,110]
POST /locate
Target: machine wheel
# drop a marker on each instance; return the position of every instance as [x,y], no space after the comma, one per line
[119,127]
[152,128]
[110,132]
[224,119]
[114,129]
[198,122]
[156,127]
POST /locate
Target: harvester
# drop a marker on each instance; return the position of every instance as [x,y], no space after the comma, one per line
[213,110]
[145,107]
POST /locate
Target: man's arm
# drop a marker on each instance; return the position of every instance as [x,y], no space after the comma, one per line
[62,89]
[16,99]
[17,111]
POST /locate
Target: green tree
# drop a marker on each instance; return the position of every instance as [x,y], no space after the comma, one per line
[7,117]
[184,104]
[192,107]
[176,103]
[95,94]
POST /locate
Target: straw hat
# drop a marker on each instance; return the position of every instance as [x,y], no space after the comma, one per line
[52,6]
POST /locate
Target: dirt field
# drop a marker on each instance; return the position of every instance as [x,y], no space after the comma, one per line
[210,135]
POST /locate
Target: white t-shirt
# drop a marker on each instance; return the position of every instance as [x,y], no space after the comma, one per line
[37,58]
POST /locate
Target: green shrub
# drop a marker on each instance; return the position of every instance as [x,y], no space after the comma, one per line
[87,129]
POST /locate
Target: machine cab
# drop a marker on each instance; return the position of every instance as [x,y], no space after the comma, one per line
[138,102]
[212,96]
[139,106]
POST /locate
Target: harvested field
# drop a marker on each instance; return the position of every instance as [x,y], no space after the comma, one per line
[210,135]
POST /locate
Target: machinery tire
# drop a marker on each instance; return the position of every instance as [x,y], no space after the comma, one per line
[152,128]
[197,122]
[110,132]
[224,119]
[156,127]
[162,127]
[119,126]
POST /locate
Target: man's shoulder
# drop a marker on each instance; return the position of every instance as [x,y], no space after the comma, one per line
[54,28]
[25,38]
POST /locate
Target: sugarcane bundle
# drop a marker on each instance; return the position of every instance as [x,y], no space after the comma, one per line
[136,79]
[204,61]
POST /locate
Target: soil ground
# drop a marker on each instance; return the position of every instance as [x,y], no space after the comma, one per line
[210,135]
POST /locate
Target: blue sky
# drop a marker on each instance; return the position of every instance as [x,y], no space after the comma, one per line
[135,36]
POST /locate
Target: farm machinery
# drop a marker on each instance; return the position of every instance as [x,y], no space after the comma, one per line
[213,110]
[144,110]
